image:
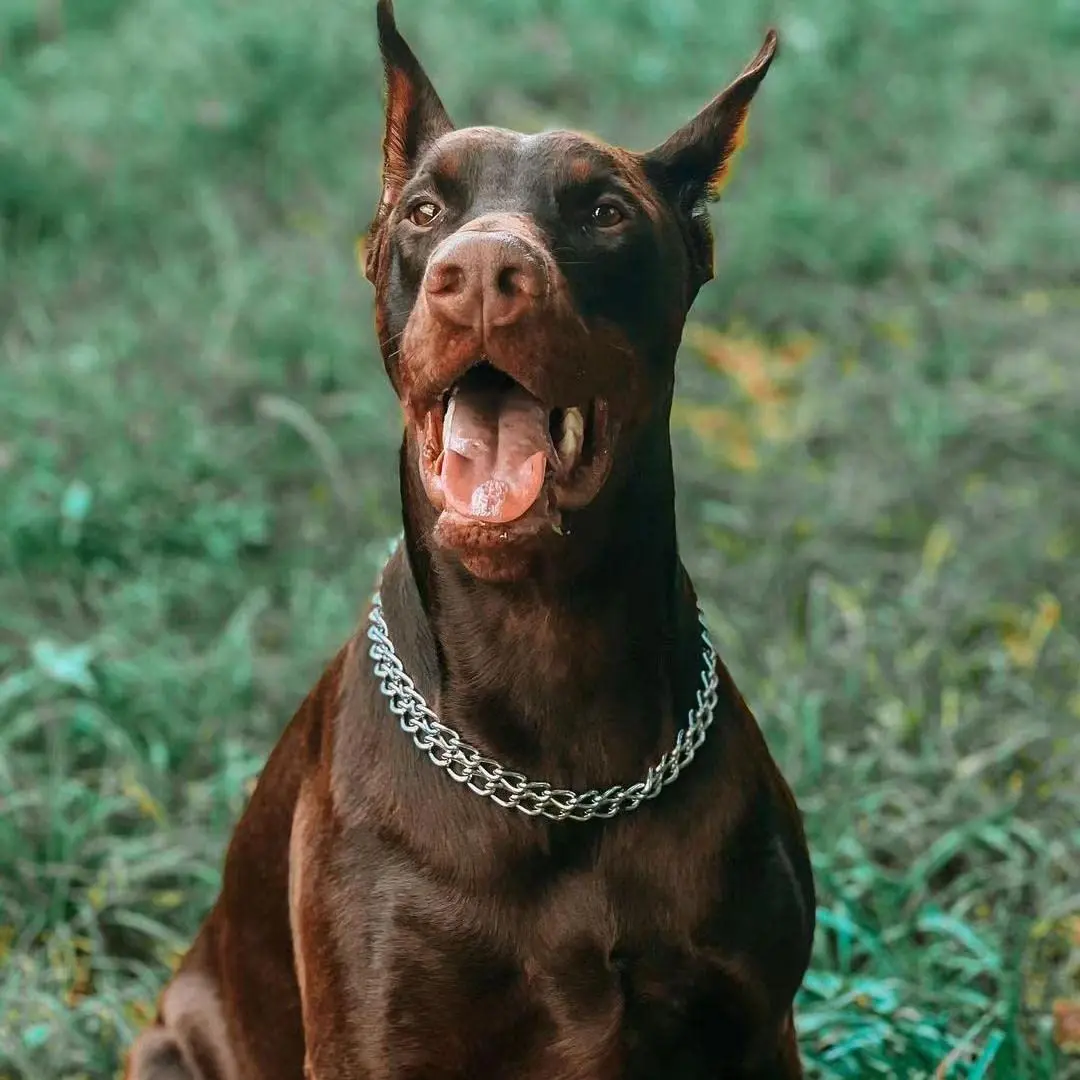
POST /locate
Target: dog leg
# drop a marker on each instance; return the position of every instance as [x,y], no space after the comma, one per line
[157,1055]
[786,1065]
[189,1041]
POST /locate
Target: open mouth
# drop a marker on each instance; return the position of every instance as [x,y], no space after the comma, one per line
[494,454]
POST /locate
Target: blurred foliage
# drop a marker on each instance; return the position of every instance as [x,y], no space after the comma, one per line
[878,454]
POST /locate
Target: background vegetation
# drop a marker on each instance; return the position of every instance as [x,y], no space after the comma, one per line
[879,457]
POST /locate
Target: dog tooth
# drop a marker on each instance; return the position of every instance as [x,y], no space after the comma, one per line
[448,418]
[572,436]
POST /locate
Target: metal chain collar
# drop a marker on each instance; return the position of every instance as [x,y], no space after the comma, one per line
[485,776]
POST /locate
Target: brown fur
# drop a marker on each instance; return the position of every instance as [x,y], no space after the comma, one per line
[378,921]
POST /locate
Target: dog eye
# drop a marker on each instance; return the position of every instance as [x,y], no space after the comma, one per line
[605,215]
[424,213]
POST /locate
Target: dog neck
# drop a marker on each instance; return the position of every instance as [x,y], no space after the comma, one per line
[580,680]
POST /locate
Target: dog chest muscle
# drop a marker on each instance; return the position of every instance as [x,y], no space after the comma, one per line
[614,969]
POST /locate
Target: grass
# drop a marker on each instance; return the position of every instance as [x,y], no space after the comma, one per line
[878,454]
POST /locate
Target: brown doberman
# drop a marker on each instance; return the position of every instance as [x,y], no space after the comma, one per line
[406,897]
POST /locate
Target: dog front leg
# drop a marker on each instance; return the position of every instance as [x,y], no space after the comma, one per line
[785,1064]
[189,1039]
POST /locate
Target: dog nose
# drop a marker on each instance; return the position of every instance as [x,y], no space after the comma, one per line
[483,279]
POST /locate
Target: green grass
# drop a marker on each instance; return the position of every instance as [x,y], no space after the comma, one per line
[883,513]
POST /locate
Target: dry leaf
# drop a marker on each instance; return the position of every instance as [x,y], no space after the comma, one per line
[797,349]
[1025,645]
[1067,1025]
[719,429]
[744,359]
[897,332]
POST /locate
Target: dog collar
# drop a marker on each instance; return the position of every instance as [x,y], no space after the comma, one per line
[487,777]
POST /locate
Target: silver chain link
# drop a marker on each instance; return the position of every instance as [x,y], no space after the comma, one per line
[485,776]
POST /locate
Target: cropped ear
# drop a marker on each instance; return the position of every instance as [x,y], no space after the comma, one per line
[415,117]
[692,165]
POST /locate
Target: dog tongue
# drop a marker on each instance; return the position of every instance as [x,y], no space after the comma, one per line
[495,444]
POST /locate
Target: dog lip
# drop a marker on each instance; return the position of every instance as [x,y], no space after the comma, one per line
[438,393]
[563,456]
[564,488]
[578,486]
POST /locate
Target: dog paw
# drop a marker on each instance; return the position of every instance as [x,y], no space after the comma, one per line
[157,1055]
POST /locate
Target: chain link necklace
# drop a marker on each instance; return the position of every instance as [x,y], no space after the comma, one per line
[485,776]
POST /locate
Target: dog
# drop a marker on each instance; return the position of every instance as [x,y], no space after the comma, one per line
[525,826]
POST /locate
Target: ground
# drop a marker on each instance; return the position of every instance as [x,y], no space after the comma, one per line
[878,455]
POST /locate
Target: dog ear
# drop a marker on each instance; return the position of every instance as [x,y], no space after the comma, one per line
[415,116]
[692,165]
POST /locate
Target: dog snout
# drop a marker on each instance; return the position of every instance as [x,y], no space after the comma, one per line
[484,280]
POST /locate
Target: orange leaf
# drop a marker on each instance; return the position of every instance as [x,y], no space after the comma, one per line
[797,349]
[1073,926]
[719,429]
[740,357]
[1067,1025]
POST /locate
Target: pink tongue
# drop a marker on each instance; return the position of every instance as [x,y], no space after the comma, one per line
[494,453]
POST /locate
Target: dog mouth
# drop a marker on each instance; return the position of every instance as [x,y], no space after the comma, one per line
[494,454]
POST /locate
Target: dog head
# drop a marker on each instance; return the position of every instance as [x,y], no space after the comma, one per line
[531,292]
